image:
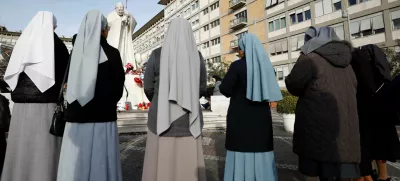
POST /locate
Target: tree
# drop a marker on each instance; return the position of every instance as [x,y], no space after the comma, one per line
[394,61]
[219,69]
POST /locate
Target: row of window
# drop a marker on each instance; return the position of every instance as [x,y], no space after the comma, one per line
[214,60]
[300,15]
[327,6]
[214,42]
[213,25]
[212,7]
[277,24]
[368,25]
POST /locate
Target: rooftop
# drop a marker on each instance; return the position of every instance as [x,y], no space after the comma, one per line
[164,2]
[153,20]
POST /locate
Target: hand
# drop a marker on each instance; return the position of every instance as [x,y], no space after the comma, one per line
[124,19]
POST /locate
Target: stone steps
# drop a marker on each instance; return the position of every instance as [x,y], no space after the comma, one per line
[137,121]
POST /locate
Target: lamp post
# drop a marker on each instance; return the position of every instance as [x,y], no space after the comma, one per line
[345,14]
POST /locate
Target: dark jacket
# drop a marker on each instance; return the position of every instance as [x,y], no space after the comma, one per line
[249,124]
[5,114]
[379,139]
[179,127]
[326,127]
[108,91]
[27,92]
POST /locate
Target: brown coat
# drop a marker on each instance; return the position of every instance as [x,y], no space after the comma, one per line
[326,127]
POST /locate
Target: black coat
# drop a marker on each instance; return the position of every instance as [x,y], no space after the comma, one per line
[249,124]
[108,91]
[5,114]
[379,139]
[27,92]
[326,126]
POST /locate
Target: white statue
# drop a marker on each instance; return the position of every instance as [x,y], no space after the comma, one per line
[122,25]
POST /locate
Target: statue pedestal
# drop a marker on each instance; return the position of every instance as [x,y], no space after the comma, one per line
[220,104]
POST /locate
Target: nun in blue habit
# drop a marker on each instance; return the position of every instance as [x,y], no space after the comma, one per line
[251,84]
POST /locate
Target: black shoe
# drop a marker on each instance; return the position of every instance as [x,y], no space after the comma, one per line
[388,179]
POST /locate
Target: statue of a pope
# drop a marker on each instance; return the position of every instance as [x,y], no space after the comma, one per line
[122,25]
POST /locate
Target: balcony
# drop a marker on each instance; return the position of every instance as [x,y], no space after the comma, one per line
[234,44]
[238,23]
[235,4]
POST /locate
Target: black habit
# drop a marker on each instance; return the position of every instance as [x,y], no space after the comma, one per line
[108,91]
[249,124]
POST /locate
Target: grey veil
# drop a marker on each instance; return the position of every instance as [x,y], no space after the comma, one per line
[86,57]
[316,37]
[179,78]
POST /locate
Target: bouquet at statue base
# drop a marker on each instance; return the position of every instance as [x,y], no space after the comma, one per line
[129,70]
[144,106]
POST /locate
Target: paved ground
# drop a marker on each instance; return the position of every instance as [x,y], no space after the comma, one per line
[133,146]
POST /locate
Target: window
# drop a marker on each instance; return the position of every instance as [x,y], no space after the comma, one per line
[293,18]
[205,11]
[339,30]
[195,22]
[354,2]
[271,26]
[206,28]
[206,45]
[337,6]
[327,6]
[216,60]
[270,3]
[396,20]
[238,36]
[215,23]
[278,47]
[297,42]
[242,14]
[215,41]
[195,5]
[307,14]
[282,72]
[277,24]
[214,6]
[300,15]
[365,26]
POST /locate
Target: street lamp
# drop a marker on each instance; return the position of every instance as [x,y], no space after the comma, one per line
[345,14]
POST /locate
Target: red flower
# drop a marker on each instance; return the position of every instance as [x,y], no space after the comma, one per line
[148,104]
[140,105]
[137,80]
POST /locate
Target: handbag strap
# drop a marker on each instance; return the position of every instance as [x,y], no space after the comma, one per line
[65,77]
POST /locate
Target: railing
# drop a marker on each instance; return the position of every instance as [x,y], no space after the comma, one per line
[233,3]
[238,21]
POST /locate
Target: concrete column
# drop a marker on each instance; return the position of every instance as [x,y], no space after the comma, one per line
[388,27]
[312,9]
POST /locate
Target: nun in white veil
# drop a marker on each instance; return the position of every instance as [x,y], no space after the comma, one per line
[34,74]
[90,149]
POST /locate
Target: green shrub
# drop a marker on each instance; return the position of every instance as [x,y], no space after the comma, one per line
[288,104]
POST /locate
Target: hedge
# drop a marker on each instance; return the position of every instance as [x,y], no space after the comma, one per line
[288,104]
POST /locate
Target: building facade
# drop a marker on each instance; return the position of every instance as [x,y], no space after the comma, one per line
[280,25]
[10,38]
[204,15]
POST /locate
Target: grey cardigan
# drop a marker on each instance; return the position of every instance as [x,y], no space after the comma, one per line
[180,127]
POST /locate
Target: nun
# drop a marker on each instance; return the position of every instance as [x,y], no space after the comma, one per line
[251,84]
[90,149]
[34,74]
[174,150]
[326,133]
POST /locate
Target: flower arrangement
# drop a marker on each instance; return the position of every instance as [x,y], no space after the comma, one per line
[129,70]
[138,81]
[144,106]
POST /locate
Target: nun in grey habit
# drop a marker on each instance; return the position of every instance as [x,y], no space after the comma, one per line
[90,149]
[174,148]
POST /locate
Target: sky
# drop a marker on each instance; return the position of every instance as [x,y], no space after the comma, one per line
[16,14]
